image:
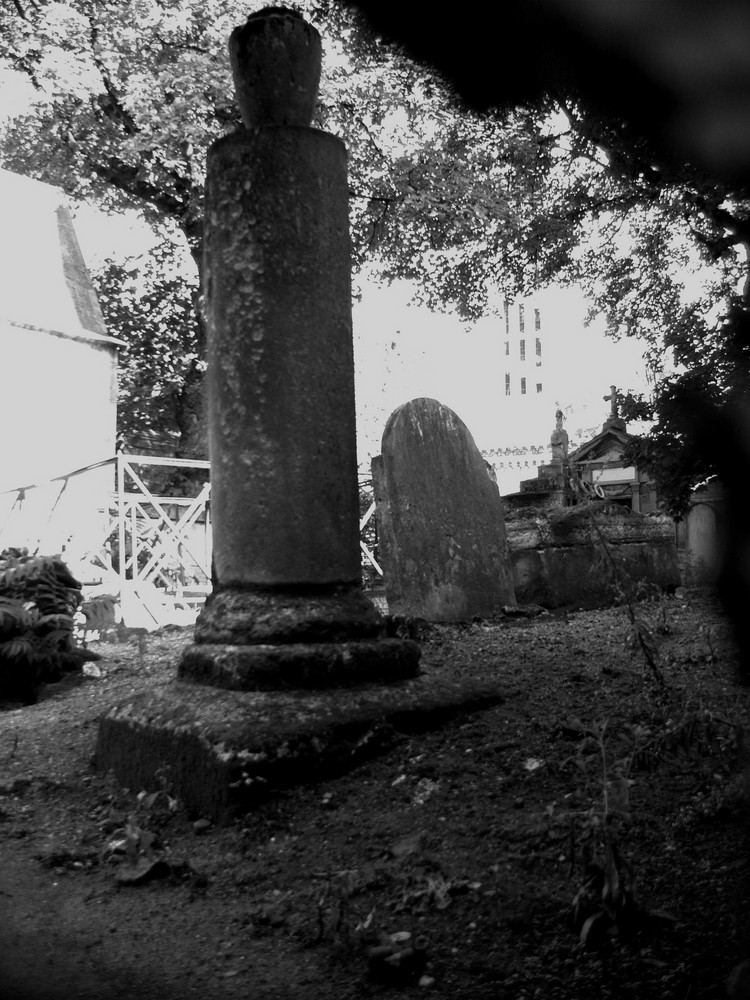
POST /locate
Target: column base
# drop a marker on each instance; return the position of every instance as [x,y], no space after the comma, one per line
[267,640]
[220,752]
[303,665]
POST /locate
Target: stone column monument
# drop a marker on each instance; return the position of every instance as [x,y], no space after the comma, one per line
[289,672]
[288,608]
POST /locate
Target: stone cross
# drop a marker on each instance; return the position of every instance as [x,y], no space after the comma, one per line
[614,421]
[288,608]
[612,399]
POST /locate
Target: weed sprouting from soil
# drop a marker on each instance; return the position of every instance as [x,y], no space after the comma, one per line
[606,901]
[643,633]
[137,840]
[611,756]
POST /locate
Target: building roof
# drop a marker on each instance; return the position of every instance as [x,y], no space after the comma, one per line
[44,281]
[613,436]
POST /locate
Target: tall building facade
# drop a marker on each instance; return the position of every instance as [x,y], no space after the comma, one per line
[523,349]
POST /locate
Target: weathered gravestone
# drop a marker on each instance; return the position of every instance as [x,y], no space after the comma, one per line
[440,519]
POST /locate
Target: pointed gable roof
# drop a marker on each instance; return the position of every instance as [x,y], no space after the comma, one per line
[607,446]
[44,281]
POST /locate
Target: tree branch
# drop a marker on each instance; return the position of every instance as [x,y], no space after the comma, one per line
[116,109]
[18,60]
[125,178]
[181,45]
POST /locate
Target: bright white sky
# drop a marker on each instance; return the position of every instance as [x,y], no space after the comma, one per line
[403,351]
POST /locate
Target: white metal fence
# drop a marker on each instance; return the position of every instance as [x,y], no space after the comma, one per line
[153,552]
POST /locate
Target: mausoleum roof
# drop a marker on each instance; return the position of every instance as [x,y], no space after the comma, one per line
[44,281]
[610,438]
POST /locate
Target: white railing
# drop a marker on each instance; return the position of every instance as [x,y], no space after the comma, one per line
[155,550]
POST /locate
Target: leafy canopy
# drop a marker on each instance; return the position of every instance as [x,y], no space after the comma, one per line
[130,93]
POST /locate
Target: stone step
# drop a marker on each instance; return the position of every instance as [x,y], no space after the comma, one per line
[224,751]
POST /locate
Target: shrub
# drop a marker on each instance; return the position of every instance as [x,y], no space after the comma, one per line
[38,599]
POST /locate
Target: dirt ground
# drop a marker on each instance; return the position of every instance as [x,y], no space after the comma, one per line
[468,843]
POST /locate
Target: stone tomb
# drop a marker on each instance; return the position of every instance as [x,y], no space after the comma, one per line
[440,519]
[581,555]
[569,550]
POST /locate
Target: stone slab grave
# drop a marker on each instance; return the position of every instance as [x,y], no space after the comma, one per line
[290,673]
[581,555]
[440,519]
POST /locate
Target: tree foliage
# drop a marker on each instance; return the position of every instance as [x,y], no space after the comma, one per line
[151,305]
[668,263]
[130,93]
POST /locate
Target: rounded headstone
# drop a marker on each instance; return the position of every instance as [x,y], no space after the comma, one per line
[440,519]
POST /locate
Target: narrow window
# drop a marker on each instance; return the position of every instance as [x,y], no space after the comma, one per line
[538,347]
[507,317]
[507,347]
[521,321]
[523,386]
[537,320]
[522,345]
[507,384]
[539,387]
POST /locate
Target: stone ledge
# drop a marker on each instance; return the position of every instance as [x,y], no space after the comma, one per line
[221,752]
[535,528]
[300,665]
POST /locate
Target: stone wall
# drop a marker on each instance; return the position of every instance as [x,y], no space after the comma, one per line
[580,555]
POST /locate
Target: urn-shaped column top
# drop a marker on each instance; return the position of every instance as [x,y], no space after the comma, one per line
[276,59]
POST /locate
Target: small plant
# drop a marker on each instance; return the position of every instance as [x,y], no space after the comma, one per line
[336,918]
[95,615]
[136,845]
[38,602]
[655,607]
[606,902]
[643,635]
[707,634]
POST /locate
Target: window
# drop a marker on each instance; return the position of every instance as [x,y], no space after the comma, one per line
[523,386]
[522,345]
[507,317]
[539,387]
[507,347]
[521,321]
[538,347]
[537,320]
[507,384]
